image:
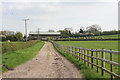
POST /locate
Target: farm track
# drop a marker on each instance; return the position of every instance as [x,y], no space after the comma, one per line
[48,63]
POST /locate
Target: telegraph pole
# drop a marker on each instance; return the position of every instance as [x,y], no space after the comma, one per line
[38,33]
[25,20]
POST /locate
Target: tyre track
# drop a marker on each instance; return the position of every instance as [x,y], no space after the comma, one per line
[48,63]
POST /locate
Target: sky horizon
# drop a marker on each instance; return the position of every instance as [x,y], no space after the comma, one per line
[59,15]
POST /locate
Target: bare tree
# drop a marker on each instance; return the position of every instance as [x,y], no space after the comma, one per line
[94,29]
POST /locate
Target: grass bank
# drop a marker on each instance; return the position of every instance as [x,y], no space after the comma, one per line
[88,73]
[15,58]
[13,46]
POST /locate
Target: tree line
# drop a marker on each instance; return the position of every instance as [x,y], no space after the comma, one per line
[11,35]
[93,30]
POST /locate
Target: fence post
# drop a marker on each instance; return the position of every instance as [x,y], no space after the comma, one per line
[79,54]
[65,47]
[92,58]
[84,56]
[102,62]
[72,51]
[97,59]
[111,66]
[69,49]
[75,52]
[88,56]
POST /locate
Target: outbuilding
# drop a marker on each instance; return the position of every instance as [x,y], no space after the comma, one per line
[43,35]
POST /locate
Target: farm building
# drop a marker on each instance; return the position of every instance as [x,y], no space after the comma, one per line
[43,35]
[2,37]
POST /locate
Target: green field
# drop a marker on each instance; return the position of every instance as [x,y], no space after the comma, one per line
[108,36]
[97,45]
[12,59]
[92,44]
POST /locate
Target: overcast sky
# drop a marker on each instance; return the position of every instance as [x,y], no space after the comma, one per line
[59,14]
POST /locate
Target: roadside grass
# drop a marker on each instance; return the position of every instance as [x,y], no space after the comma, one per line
[88,73]
[97,45]
[15,58]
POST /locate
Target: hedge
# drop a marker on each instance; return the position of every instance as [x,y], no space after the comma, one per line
[13,46]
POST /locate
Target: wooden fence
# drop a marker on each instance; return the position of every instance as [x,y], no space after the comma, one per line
[94,58]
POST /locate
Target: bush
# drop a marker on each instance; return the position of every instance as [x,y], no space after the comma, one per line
[13,46]
[19,36]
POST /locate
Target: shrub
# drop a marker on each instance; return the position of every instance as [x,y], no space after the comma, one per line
[13,46]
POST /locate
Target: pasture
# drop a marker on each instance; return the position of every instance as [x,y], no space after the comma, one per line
[91,44]
[97,45]
[115,36]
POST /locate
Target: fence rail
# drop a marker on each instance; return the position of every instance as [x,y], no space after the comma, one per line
[94,58]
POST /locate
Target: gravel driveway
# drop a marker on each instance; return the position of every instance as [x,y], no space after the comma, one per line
[48,63]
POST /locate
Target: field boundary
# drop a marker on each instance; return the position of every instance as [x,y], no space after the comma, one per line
[87,56]
[85,39]
[9,46]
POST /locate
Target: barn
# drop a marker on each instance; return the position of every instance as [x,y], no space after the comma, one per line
[43,35]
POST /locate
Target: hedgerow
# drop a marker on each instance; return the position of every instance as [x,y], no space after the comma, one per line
[13,46]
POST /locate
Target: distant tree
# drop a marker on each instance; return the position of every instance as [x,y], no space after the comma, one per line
[70,33]
[64,33]
[11,37]
[51,30]
[81,31]
[19,36]
[2,38]
[68,29]
[24,38]
[110,32]
[94,29]
[7,32]
[118,31]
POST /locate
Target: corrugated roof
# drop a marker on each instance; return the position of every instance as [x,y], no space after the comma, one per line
[46,33]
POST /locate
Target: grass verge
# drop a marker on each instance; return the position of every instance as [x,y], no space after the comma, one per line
[14,46]
[88,73]
[12,59]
